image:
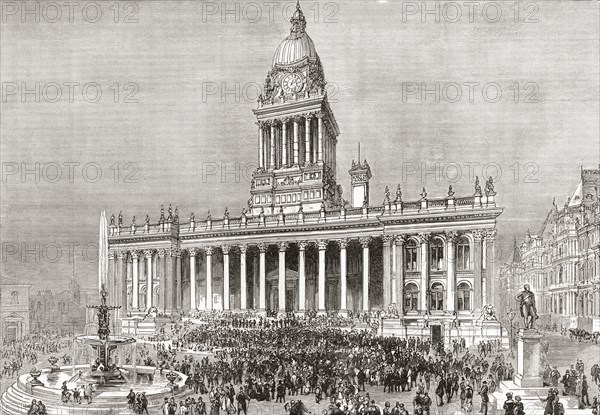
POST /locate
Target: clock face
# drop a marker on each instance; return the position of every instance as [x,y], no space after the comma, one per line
[292,83]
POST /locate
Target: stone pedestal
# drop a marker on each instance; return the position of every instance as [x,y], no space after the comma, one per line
[529,355]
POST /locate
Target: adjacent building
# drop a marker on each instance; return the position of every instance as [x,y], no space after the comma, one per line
[561,261]
[64,312]
[299,245]
[14,309]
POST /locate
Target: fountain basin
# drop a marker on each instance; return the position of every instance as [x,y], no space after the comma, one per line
[106,398]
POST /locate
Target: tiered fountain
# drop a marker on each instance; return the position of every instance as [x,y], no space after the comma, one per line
[110,383]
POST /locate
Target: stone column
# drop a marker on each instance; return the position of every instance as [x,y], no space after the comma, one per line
[122,282]
[209,250]
[296,141]
[193,252]
[307,140]
[365,262]
[424,239]
[400,274]
[320,137]
[451,239]
[225,249]
[477,269]
[387,271]
[135,280]
[490,237]
[149,283]
[171,281]
[322,244]
[283,246]
[178,286]
[262,276]
[162,277]
[272,139]
[284,145]
[343,243]
[243,277]
[261,144]
[302,276]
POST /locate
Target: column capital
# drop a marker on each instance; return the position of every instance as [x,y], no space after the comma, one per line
[135,254]
[243,249]
[225,249]
[387,240]
[209,250]
[309,116]
[365,241]
[320,114]
[262,247]
[148,253]
[400,239]
[478,234]
[162,252]
[283,246]
[112,254]
[302,245]
[342,243]
[322,244]
[175,252]
[452,236]
[193,251]
[297,118]
[491,233]
[122,255]
[424,237]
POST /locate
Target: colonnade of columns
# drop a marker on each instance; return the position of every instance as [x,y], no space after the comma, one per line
[294,141]
[583,304]
[164,267]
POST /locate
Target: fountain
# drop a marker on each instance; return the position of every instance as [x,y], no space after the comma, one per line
[109,382]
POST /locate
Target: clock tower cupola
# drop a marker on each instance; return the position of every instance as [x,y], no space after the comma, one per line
[297,132]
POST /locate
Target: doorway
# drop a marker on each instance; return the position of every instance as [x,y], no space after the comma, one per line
[436,333]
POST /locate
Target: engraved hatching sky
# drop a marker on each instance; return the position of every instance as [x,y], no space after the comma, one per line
[368,52]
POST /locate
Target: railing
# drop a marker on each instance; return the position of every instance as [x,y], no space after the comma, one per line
[269,220]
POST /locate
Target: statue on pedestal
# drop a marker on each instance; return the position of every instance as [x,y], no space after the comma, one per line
[526,300]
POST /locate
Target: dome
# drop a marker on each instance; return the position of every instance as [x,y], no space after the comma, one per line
[294,48]
[298,45]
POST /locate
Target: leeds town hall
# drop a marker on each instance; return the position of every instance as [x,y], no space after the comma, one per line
[300,247]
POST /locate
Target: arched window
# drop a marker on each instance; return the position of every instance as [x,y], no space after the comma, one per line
[560,274]
[411,297]
[411,255]
[463,254]
[436,254]
[464,296]
[14,297]
[436,297]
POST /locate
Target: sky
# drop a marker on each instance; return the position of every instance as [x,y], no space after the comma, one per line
[127,106]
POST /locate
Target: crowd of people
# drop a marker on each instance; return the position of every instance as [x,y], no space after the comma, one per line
[336,364]
[275,360]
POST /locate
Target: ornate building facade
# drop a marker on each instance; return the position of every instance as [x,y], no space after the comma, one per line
[299,245]
[562,261]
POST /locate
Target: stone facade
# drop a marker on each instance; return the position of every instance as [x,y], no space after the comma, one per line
[14,309]
[562,261]
[298,245]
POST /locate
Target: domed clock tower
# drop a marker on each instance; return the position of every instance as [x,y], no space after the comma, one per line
[297,132]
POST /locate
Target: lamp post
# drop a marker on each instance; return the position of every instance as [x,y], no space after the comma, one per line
[511,317]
